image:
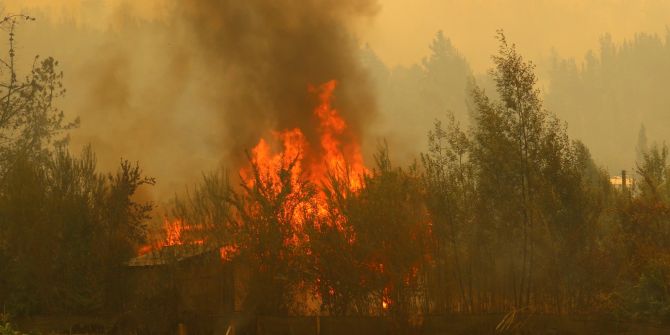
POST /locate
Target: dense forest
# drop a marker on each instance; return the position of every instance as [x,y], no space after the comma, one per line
[607,98]
[502,210]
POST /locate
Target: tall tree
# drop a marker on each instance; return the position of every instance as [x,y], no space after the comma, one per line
[449,186]
[29,118]
[642,145]
[445,82]
[528,172]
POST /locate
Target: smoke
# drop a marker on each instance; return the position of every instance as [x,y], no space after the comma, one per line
[263,55]
[192,89]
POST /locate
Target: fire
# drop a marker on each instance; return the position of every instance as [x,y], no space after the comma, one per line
[386,301]
[228,252]
[294,144]
[173,231]
[336,154]
[174,235]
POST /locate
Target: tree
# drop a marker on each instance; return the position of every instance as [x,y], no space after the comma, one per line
[267,210]
[654,172]
[449,186]
[207,210]
[508,151]
[530,183]
[445,81]
[386,229]
[640,243]
[67,230]
[29,119]
[642,146]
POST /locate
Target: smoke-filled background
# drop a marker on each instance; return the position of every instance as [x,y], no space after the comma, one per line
[198,85]
[187,86]
[262,55]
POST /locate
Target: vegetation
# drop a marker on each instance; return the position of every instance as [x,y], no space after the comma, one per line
[6,329]
[66,228]
[508,214]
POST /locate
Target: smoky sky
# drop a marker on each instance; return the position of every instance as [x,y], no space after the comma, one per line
[264,54]
[185,86]
[193,91]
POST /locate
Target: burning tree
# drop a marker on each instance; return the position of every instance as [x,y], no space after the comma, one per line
[387,233]
[281,197]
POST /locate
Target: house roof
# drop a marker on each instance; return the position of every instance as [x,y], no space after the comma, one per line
[170,254]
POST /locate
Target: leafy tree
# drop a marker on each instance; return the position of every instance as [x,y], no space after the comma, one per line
[509,139]
[266,212]
[530,187]
[640,244]
[29,118]
[385,231]
[446,79]
[207,210]
[67,230]
[654,173]
[450,193]
[642,146]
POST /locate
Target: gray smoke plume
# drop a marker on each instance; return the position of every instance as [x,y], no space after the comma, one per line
[194,91]
[263,55]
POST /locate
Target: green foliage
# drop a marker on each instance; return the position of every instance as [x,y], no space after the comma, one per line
[649,298]
[207,209]
[513,202]
[610,91]
[653,169]
[509,213]
[449,187]
[6,329]
[30,122]
[373,246]
[640,242]
[66,229]
[265,212]
[410,97]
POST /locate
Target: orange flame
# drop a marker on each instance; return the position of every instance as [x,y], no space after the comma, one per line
[337,156]
[386,300]
[173,236]
[337,153]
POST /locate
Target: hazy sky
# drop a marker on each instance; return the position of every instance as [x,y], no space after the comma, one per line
[402,29]
[400,33]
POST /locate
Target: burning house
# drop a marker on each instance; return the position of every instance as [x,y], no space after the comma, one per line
[196,281]
[187,282]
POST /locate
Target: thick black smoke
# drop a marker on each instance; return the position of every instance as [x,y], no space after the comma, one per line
[263,55]
[191,92]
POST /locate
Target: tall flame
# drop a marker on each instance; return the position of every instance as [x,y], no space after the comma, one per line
[337,154]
